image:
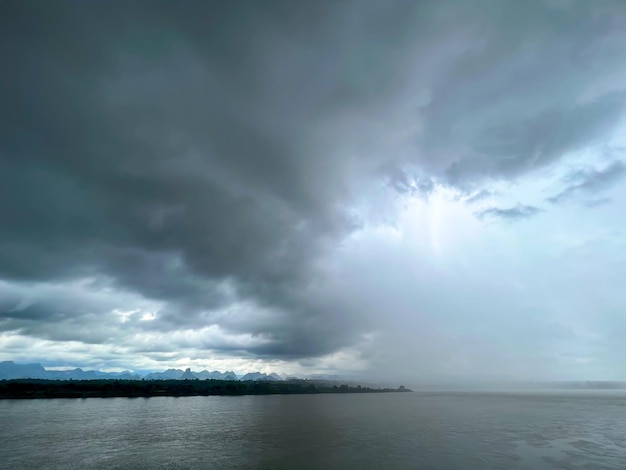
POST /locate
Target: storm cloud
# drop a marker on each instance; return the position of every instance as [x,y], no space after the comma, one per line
[202,181]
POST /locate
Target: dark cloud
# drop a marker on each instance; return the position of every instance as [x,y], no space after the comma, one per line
[205,155]
[517,212]
[589,181]
[164,152]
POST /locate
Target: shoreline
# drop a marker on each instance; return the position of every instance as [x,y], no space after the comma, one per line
[16,389]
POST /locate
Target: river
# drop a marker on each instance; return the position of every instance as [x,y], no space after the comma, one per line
[538,430]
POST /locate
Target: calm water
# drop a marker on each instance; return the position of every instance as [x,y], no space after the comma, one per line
[412,430]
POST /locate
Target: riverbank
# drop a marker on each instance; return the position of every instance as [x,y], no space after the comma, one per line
[38,388]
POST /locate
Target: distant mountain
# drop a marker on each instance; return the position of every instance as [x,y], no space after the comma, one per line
[229,375]
[203,375]
[187,375]
[75,374]
[126,375]
[169,374]
[178,374]
[11,370]
[216,374]
[259,376]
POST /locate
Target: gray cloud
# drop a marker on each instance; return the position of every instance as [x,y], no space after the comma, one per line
[520,211]
[512,148]
[589,181]
[519,88]
[479,196]
[168,171]
[208,158]
[406,184]
[597,202]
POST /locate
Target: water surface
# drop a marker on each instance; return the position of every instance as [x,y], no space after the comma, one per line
[550,430]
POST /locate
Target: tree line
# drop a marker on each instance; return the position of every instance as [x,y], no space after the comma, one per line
[41,388]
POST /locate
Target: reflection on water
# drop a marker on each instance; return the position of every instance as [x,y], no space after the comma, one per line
[420,431]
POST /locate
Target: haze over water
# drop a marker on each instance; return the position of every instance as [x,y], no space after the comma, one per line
[535,430]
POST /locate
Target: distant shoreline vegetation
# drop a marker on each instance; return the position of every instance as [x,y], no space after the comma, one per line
[42,388]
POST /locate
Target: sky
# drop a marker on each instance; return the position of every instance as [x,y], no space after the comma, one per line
[414,190]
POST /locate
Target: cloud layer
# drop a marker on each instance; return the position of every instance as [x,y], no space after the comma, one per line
[212,182]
